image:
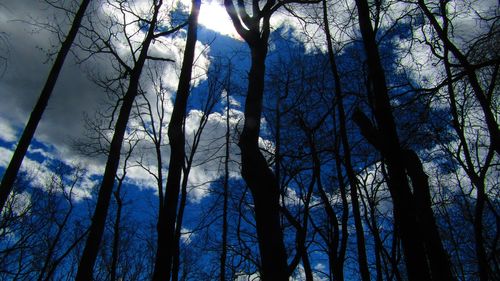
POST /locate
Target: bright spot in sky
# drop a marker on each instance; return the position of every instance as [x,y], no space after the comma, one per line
[213,16]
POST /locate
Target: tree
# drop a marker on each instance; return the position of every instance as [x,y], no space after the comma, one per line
[36,115]
[412,212]
[475,160]
[470,70]
[351,174]
[90,251]
[168,211]
[255,30]
[38,226]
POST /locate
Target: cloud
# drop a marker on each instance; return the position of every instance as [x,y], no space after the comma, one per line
[74,94]
[5,156]
[8,133]
[187,235]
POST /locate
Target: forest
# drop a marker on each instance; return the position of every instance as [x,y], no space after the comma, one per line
[274,140]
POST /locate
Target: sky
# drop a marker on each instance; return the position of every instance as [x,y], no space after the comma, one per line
[74,96]
[31,48]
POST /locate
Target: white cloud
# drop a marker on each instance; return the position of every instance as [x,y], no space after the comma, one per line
[8,133]
[186,235]
[5,156]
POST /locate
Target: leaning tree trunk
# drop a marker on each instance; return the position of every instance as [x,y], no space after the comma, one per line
[484,103]
[86,265]
[36,115]
[91,249]
[167,218]
[438,258]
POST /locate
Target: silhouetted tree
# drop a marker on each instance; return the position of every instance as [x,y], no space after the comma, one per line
[412,211]
[347,162]
[90,251]
[12,170]
[254,28]
[168,211]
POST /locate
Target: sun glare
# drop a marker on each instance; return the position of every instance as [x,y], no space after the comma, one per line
[213,16]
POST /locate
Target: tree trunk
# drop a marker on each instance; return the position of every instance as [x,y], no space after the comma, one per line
[337,244]
[478,234]
[489,116]
[438,258]
[259,177]
[351,176]
[468,166]
[223,255]
[91,249]
[307,267]
[178,227]
[116,230]
[386,140]
[167,218]
[36,115]
[86,265]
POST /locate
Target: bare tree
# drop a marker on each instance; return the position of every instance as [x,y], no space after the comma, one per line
[480,94]
[90,251]
[36,115]
[168,211]
[351,174]
[473,156]
[255,29]
[412,211]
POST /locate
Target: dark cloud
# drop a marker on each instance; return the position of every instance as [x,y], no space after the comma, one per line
[29,65]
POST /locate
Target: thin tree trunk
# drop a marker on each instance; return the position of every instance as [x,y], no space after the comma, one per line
[225,194]
[336,243]
[116,229]
[86,265]
[167,218]
[53,266]
[185,177]
[176,259]
[468,166]
[484,268]
[371,221]
[360,237]
[36,115]
[54,243]
[479,93]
